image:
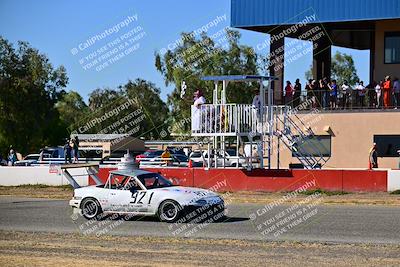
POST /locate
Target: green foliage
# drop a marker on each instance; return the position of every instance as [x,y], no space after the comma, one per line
[323,192]
[343,69]
[196,57]
[30,87]
[35,111]
[137,95]
[71,108]
[100,98]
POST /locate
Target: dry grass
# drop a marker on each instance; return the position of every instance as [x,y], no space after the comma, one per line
[51,249]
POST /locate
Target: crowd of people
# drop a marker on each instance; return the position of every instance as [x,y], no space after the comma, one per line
[327,94]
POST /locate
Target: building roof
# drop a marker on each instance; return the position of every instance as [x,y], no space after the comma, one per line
[132,173]
[99,137]
[271,13]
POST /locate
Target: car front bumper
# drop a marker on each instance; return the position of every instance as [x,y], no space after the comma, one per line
[75,203]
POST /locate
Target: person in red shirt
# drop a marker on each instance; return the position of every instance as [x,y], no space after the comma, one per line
[289,90]
[387,89]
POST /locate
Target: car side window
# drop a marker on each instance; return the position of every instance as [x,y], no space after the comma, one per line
[132,185]
[117,182]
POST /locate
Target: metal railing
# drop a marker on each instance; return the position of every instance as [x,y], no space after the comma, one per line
[351,100]
[230,119]
[294,134]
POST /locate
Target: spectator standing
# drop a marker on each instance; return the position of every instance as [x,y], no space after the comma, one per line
[3,162]
[361,94]
[371,95]
[67,152]
[332,94]
[289,90]
[324,89]
[297,92]
[346,92]
[378,92]
[12,158]
[387,88]
[396,93]
[373,157]
[320,93]
[166,156]
[76,149]
[310,93]
[199,100]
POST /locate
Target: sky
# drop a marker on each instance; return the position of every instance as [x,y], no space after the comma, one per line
[86,37]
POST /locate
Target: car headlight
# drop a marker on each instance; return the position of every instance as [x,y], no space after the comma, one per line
[77,198]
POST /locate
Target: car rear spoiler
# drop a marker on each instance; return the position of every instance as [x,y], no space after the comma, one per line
[91,168]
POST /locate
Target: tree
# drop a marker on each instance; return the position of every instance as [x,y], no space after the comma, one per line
[147,96]
[30,87]
[342,69]
[196,57]
[134,108]
[71,108]
[100,98]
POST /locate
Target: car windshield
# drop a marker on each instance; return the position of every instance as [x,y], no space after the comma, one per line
[153,153]
[181,157]
[196,155]
[231,152]
[154,180]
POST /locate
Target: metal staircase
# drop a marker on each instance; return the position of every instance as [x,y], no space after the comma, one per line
[292,131]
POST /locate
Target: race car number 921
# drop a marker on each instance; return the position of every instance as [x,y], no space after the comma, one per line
[138,196]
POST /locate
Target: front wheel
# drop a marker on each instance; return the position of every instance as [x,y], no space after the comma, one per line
[91,208]
[169,211]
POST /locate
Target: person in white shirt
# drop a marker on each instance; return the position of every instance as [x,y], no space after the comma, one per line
[199,100]
[256,105]
[345,93]
[256,100]
[378,91]
[361,94]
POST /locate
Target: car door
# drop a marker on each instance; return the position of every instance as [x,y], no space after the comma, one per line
[119,200]
[118,197]
[141,201]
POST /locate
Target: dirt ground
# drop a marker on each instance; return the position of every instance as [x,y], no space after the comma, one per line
[51,249]
[65,192]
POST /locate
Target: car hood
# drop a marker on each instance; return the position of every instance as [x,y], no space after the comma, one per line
[190,192]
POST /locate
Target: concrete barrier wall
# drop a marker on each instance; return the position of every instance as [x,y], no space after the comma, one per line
[14,176]
[274,180]
[227,179]
[393,180]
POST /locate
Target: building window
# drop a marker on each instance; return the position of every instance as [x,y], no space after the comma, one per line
[392,48]
[388,145]
[318,145]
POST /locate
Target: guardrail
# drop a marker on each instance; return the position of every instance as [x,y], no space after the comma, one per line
[48,161]
[230,119]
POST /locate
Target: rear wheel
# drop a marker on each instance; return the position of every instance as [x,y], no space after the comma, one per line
[169,211]
[91,208]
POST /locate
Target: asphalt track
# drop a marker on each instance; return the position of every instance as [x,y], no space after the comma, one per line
[315,223]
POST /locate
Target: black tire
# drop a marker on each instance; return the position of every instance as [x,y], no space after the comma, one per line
[169,211]
[91,208]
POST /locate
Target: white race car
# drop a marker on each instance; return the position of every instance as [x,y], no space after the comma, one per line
[139,192]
